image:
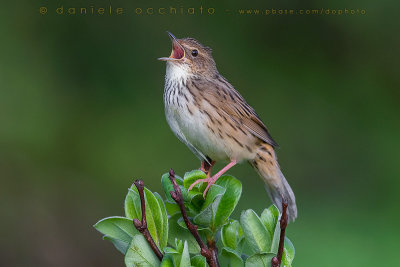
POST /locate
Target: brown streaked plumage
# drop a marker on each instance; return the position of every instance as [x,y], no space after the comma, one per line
[207,114]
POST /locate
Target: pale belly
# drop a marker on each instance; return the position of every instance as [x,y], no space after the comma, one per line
[192,129]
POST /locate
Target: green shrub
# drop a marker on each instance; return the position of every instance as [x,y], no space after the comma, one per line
[252,240]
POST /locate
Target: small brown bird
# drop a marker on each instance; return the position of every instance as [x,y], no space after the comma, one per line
[208,115]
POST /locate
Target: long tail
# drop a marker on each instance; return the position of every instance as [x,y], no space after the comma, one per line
[266,164]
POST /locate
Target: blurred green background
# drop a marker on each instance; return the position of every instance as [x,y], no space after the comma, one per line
[81,117]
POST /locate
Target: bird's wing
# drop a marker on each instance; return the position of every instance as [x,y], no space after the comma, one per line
[223,97]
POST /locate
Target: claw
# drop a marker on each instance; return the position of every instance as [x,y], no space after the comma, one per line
[208,187]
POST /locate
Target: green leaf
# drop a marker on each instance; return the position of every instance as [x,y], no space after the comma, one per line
[177,232]
[121,246]
[191,210]
[269,217]
[169,250]
[232,257]
[276,238]
[198,261]
[179,245]
[185,260]
[155,219]
[214,191]
[132,204]
[229,200]
[182,224]
[257,236]
[193,194]
[207,216]
[167,185]
[178,257]
[173,254]
[156,214]
[288,253]
[139,253]
[172,208]
[192,176]
[220,202]
[260,260]
[230,234]
[187,197]
[119,228]
[197,201]
[164,225]
[167,261]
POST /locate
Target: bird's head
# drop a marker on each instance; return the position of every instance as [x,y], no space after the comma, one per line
[191,55]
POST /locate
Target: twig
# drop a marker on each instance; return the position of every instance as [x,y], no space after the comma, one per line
[141,226]
[210,252]
[276,261]
[214,252]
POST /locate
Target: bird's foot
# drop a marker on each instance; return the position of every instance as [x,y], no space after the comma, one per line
[212,180]
[209,180]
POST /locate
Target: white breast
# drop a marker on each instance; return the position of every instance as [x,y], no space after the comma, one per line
[178,117]
[190,127]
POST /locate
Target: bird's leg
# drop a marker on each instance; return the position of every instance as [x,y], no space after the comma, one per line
[202,166]
[212,180]
[206,167]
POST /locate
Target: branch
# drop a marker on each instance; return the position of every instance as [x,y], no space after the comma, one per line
[276,261]
[210,252]
[141,226]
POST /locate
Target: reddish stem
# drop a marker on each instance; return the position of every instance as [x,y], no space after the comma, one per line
[210,252]
[141,226]
[276,261]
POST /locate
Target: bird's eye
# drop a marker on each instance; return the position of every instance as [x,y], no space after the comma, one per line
[195,53]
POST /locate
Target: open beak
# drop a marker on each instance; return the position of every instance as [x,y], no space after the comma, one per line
[177,50]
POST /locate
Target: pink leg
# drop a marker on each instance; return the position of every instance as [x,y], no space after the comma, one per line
[213,179]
